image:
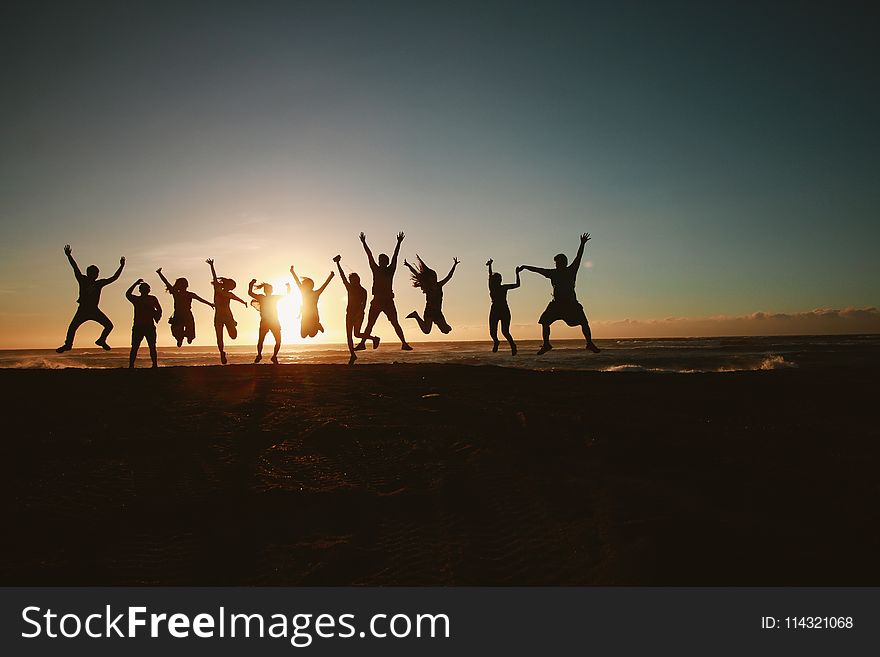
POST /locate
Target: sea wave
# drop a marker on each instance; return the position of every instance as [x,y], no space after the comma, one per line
[773,362]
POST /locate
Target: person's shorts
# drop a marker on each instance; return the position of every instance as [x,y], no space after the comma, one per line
[225,320]
[355,318]
[383,306]
[571,312]
[139,333]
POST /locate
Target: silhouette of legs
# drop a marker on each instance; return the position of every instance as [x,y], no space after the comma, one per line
[82,316]
[501,315]
[151,342]
[276,333]
[505,331]
[431,317]
[353,330]
[424,324]
[183,326]
[441,322]
[262,336]
[138,335]
[350,331]
[391,313]
[218,329]
[372,316]
[585,329]
[230,325]
[545,332]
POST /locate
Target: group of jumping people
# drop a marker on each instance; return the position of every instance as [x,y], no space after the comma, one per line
[148,311]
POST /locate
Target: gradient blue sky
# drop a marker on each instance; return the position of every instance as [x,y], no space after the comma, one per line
[724,156]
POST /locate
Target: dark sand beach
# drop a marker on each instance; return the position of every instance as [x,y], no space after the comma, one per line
[439,475]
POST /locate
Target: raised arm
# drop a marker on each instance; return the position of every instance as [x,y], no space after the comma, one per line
[400,237]
[576,263]
[295,277]
[455,262]
[164,280]
[341,273]
[69,253]
[198,298]
[513,286]
[210,261]
[327,282]
[538,270]
[251,292]
[236,297]
[129,292]
[410,267]
[369,253]
[489,265]
[116,274]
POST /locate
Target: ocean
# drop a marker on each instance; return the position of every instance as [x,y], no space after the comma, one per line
[671,355]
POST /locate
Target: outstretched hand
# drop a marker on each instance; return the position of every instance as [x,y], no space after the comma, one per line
[67,249]
[253,281]
[210,261]
[363,237]
[585,238]
[337,258]
[406,264]
[400,237]
[122,261]
[455,261]
[489,262]
[520,268]
[139,281]
[292,270]
[159,271]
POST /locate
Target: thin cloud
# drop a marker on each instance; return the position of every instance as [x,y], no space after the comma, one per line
[817,321]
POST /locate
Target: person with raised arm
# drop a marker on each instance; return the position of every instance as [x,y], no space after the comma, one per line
[267,305]
[425,278]
[223,318]
[383,293]
[564,304]
[90,287]
[354,310]
[311,321]
[183,324]
[499,312]
[147,313]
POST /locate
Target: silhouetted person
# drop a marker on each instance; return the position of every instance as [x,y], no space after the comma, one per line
[564,305]
[147,312]
[383,293]
[222,312]
[267,304]
[311,322]
[183,324]
[425,278]
[354,311]
[500,311]
[90,287]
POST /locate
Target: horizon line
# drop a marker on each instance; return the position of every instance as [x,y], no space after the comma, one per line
[344,345]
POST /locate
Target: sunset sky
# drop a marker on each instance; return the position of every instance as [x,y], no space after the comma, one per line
[725,158]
